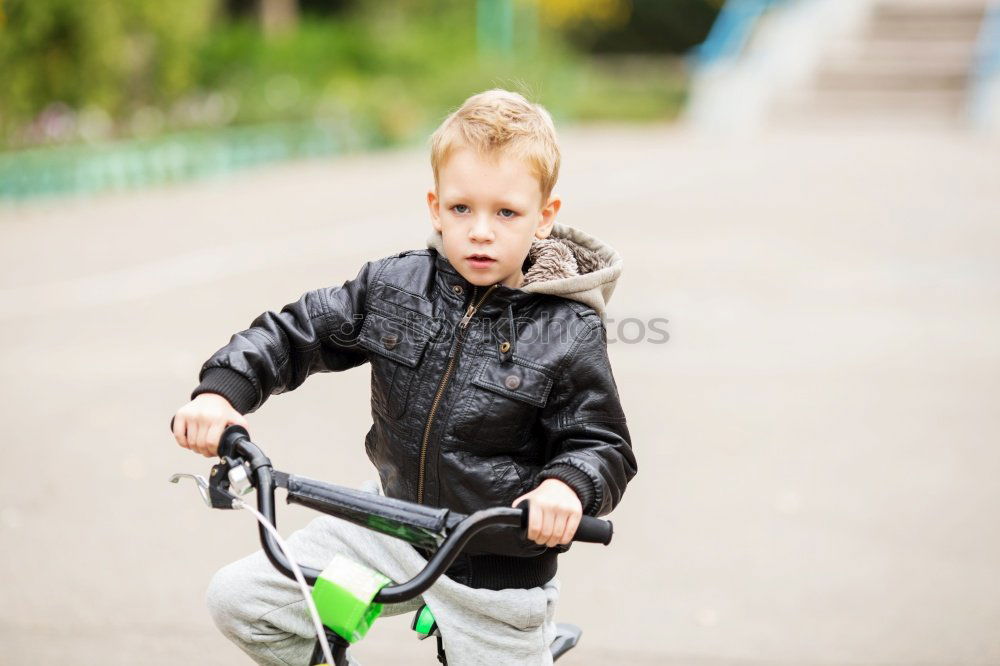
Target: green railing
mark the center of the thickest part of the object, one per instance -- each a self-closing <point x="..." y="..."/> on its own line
<point x="85" y="169"/>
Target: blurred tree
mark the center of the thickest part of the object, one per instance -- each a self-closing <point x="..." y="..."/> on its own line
<point x="114" y="55"/>
<point x="315" y="7"/>
<point x="633" y="26"/>
<point x="605" y="13"/>
<point x="278" y="17"/>
<point x="96" y="69"/>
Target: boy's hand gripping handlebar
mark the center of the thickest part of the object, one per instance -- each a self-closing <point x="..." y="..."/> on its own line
<point x="244" y="466"/>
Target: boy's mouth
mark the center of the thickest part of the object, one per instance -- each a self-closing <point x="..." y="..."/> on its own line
<point x="480" y="258"/>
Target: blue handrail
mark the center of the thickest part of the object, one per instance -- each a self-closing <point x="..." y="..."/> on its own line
<point x="731" y="30"/>
<point x="986" y="62"/>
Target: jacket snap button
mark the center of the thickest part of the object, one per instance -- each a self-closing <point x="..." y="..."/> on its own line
<point x="390" y="341"/>
<point x="512" y="382"/>
<point x="504" y="347"/>
<point x="457" y="288"/>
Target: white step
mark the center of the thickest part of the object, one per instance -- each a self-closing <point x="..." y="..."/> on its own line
<point x="901" y="106"/>
<point x="925" y="21"/>
<point x="901" y="75"/>
<point x="957" y="52"/>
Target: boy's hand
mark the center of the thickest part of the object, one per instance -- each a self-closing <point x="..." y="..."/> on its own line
<point x="198" y="425"/>
<point x="554" y="513"/>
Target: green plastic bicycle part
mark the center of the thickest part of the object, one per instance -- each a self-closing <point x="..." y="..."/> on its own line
<point x="424" y="622"/>
<point x="343" y="595"/>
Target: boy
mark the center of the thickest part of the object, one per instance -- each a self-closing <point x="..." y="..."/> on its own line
<point x="490" y="384"/>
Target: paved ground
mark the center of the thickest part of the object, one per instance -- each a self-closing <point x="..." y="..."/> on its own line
<point x="817" y="442"/>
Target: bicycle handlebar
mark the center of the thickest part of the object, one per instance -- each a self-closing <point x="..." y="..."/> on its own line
<point x="359" y="507"/>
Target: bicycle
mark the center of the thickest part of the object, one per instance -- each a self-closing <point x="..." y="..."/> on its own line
<point x="347" y="597"/>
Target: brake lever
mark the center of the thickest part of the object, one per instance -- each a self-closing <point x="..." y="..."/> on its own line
<point x="202" y="485"/>
<point x="218" y="493"/>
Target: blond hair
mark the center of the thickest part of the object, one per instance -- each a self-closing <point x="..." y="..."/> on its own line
<point x="499" y="121"/>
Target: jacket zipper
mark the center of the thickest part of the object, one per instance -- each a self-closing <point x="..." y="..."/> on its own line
<point x="452" y="355"/>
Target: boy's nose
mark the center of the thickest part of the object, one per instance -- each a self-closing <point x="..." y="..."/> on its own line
<point x="481" y="230"/>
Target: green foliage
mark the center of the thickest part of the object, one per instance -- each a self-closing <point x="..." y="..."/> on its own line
<point x="653" y="26"/>
<point x="405" y="70"/>
<point x="393" y="67"/>
<point x="631" y="88"/>
<point x="117" y="55"/>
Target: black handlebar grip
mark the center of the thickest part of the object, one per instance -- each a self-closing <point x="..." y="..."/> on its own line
<point x="594" y="530"/>
<point x="230" y="438"/>
<point x="590" y="529"/>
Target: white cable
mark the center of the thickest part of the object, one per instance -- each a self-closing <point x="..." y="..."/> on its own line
<point x="317" y="624"/>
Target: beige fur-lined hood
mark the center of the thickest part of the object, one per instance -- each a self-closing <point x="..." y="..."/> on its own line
<point x="569" y="263"/>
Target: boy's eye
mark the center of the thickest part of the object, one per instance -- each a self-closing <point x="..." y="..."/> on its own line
<point x="505" y="213"/>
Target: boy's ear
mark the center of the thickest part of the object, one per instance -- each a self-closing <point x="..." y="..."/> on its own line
<point x="432" y="204"/>
<point x="549" y="212"/>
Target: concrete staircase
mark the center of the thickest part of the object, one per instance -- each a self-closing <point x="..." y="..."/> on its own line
<point x="907" y="62"/>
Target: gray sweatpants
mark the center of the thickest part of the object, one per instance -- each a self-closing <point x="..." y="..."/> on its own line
<point x="264" y="613"/>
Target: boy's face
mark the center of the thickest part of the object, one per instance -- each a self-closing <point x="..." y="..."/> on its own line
<point x="492" y="208"/>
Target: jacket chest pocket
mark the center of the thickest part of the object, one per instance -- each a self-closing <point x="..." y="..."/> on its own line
<point x="397" y="347"/>
<point x="500" y="405"/>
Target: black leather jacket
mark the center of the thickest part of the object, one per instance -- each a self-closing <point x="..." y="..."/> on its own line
<point x="468" y="412"/>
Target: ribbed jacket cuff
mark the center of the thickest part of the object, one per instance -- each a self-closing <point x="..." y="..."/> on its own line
<point x="576" y="479"/>
<point x="231" y="385"/>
